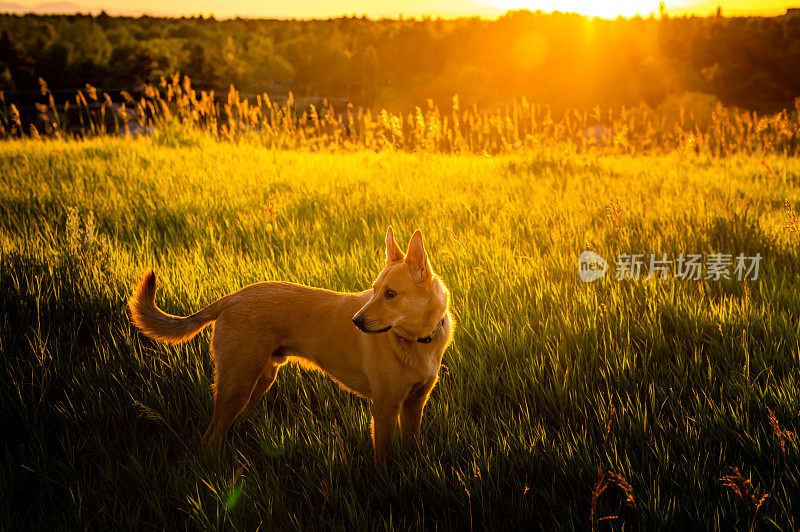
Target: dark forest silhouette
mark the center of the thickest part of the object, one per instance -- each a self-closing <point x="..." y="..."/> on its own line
<point x="563" y="60"/>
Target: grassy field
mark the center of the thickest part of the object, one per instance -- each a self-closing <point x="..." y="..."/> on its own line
<point x="619" y="404"/>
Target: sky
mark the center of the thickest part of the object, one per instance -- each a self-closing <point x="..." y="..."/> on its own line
<point x="417" y="8"/>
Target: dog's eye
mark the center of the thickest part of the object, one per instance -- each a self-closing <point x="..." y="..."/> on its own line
<point x="389" y="294"/>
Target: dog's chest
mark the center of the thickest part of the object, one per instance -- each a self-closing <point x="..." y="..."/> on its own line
<point x="427" y="364"/>
<point x="422" y="361"/>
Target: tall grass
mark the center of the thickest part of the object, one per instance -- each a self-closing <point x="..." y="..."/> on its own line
<point x="616" y="404"/>
<point x="177" y="111"/>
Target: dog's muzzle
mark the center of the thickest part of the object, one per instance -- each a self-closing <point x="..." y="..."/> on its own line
<point x="358" y="321"/>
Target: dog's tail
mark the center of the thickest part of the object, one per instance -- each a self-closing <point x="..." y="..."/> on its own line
<point x="159" y="325"/>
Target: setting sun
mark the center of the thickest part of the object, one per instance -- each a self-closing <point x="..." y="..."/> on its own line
<point x="632" y="8"/>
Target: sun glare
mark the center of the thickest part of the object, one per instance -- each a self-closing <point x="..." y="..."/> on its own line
<point x="592" y="8"/>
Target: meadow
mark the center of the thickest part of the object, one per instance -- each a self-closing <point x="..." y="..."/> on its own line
<point x="619" y="404"/>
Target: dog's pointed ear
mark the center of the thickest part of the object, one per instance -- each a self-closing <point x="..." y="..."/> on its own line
<point x="393" y="252"/>
<point x="417" y="258"/>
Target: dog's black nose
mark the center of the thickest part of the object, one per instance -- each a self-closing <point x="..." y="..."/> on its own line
<point x="359" y="322"/>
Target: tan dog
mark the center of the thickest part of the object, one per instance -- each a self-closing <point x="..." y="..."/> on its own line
<point x="265" y="325"/>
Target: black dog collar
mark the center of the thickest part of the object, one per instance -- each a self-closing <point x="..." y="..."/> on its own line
<point x="429" y="339"/>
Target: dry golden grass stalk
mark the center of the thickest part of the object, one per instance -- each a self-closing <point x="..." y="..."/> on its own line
<point x="792" y="223"/>
<point x="600" y="485"/>
<point x="604" y="480"/>
<point x="742" y="487"/>
<point x="611" y="413"/>
<point x="625" y="486"/>
<point x="780" y="433"/>
<point x="614" y="213"/>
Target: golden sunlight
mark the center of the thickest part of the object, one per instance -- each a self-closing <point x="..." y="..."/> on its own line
<point x="592" y="8"/>
<point x="529" y="50"/>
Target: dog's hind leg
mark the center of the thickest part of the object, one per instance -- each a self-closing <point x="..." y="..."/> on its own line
<point x="238" y="372"/>
<point x="263" y="384"/>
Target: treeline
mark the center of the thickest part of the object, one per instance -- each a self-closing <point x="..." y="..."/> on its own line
<point x="563" y="60"/>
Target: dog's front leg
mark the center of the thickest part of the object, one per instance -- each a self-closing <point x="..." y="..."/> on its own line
<point x="384" y="419"/>
<point x="411" y="419"/>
